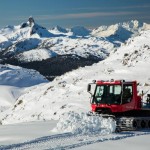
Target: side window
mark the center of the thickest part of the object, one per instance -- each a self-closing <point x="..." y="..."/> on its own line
<point x="127" y="94"/>
<point x="117" y="90"/>
<point x="99" y="91"/>
<point x="117" y="93"/>
<point x="98" y="94"/>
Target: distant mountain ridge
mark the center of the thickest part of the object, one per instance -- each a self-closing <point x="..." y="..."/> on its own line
<point x="121" y="31"/>
<point x="30" y="42"/>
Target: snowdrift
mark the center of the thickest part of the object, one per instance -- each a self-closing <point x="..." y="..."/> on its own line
<point x="80" y="123"/>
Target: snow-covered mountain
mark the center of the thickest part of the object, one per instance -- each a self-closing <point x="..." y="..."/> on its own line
<point x="14" y="81"/>
<point x="59" y="30"/>
<point x="68" y="92"/>
<point x="80" y="31"/>
<point x="26" y="38"/>
<point x="121" y="31"/>
<point x="29" y="43"/>
<point x="77" y="31"/>
<point x="31" y="37"/>
<point x="25" y="30"/>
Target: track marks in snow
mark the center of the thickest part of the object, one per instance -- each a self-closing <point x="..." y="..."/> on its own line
<point x="70" y="141"/>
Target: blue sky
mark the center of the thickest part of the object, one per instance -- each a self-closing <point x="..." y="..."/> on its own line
<point x="68" y="13"/>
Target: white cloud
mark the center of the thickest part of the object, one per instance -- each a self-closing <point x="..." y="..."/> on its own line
<point x="84" y="15"/>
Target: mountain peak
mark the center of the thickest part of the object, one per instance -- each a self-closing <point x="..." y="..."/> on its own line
<point x="60" y="29"/>
<point x="80" y="31"/>
<point x="31" y="21"/>
<point x="35" y="29"/>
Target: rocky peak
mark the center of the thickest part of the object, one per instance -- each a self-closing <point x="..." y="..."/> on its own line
<point x="31" y="21"/>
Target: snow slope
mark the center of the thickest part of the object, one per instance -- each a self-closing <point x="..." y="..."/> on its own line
<point x="4" y="42"/>
<point x="13" y="81"/>
<point x="8" y="96"/>
<point x="36" y="55"/>
<point x="19" y="77"/>
<point x="68" y="92"/>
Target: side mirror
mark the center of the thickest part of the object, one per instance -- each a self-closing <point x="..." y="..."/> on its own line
<point x="89" y="88"/>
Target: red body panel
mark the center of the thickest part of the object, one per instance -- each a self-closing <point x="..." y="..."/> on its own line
<point x="135" y="103"/>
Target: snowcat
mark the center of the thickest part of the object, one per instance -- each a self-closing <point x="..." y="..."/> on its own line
<point x="119" y="99"/>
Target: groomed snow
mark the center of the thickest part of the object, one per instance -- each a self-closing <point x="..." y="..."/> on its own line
<point x="131" y="143"/>
<point x="17" y="133"/>
<point x="38" y="136"/>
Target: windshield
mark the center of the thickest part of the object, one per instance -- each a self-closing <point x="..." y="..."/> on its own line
<point x="107" y="94"/>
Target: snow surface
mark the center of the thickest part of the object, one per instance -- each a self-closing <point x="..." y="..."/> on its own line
<point x="25" y="136"/>
<point x="17" y="133"/>
<point x="19" y="77"/>
<point x="4" y="42"/>
<point x="8" y="96"/>
<point x="134" y="142"/>
<point x="3" y="38"/>
<point x="14" y="81"/>
<point x="36" y="55"/>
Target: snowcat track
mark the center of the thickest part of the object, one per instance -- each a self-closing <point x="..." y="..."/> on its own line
<point x="126" y="123"/>
<point x="67" y="141"/>
<point x="133" y="123"/>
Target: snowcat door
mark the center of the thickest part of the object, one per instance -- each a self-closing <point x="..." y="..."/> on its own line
<point x="127" y="101"/>
<point x="107" y="94"/>
<point x="107" y="98"/>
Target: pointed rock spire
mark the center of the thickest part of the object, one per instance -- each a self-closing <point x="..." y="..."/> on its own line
<point x="31" y="21"/>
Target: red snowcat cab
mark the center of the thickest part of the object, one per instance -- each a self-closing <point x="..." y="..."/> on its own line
<point x="120" y="99"/>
